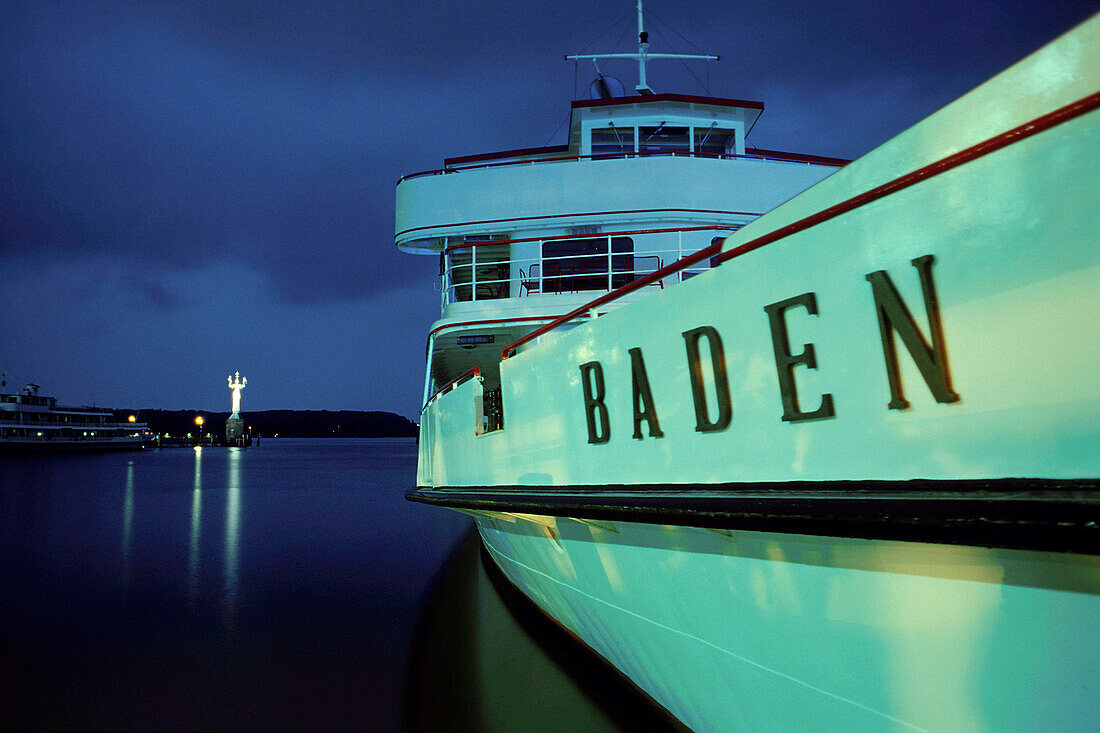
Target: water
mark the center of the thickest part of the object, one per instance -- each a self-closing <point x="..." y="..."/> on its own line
<point x="270" y="587"/>
<point x="286" y="586"/>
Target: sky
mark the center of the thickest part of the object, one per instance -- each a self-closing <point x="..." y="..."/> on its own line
<point x="192" y="189"/>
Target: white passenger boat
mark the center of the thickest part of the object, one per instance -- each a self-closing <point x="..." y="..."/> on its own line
<point x="836" y="470"/>
<point x="30" y="422"/>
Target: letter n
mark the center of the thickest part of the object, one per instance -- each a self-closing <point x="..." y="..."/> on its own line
<point x="894" y="316"/>
<point x="643" y="397"/>
<point x="703" y="423"/>
<point x="592" y="382"/>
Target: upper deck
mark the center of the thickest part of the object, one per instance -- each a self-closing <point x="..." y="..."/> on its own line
<point x="629" y="161"/>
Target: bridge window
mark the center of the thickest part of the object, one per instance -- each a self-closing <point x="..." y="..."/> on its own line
<point x="663" y="139"/>
<point x="612" y="140"/>
<point x="714" y="140"/>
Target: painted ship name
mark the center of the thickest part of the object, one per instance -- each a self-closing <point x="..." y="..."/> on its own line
<point x="893" y="316"/>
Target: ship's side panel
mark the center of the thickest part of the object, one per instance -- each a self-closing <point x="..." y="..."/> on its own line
<point x="1016" y="274"/>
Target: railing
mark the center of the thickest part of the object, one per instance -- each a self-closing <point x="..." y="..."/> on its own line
<point x="781" y="158"/>
<point x="49" y="420"/>
<point x="473" y="273"/>
<point x="460" y="379"/>
<point x="666" y="271"/>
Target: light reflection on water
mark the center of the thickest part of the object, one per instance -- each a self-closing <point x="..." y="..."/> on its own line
<point x="232" y="536"/>
<point x="196" y="531"/>
<point x="127" y="523"/>
<point x="165" y="588"/>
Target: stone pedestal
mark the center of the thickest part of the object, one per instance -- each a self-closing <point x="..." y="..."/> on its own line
<point x="234" y="431"/>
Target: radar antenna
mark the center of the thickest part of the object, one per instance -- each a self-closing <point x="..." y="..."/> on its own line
<point x="641" y="57"/>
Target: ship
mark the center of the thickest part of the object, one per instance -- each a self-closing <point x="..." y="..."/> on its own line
<point x="31" y="423"/>
<point x="792" y="442"/>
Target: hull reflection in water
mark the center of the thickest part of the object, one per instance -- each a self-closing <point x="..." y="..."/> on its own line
<point x="485" y="658"/>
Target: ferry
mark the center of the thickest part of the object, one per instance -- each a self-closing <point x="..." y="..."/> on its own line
<point x="30" y="422"/>
<point x="795" y="443"/>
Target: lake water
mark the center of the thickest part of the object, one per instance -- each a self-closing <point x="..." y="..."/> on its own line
<point x="275" y="587"/>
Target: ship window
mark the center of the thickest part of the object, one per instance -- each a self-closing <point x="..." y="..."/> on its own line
<point x="612" y="140"/>
<point x="714" y="140"/>
<point x="663" y="139"/>
<point x="572" y="265"/>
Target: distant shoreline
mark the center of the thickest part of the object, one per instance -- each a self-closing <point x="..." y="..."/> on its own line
<point x="278" y="423"/>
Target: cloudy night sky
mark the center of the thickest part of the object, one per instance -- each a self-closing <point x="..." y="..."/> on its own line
<point x="196" y="188"/>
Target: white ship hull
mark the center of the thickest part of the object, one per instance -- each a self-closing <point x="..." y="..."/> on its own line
<point x="734" y="630"/>
<point x="878" y="531"/>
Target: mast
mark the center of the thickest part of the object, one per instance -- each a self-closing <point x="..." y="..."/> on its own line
<point x="641" y="57"/>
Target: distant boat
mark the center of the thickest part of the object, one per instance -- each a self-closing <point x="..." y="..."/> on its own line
<point x="836" y="470"/>
<point x="30" y="422"/>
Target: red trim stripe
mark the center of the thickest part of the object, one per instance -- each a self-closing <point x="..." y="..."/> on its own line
<point x="490" y="321"/>
<point x="797" y="157"/>
<point x="630" y="287"/>
<point x="585" y="213"/>
<point x="943" y="165"/>
<point x="459" y="160"/>
<point x="750" y="154"/>
<point x="1016" y="134"/>
<point x="596" y="235"/>
<point x="651" y="98"/>
<point x="471" y="372"/>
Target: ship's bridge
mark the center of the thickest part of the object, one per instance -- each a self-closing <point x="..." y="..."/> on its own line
<point x="524" y="236"/>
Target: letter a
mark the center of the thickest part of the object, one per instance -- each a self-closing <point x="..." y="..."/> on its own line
<point x="643" y="397"/>
<point x="703" y="423"/>
<point x="894" y="316"/>
<point x="594" y="403"/>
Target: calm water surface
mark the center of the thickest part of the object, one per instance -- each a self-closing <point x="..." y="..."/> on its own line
<point x="271" y="587"/>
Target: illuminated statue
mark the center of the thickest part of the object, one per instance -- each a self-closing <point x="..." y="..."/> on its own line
<point x="236" y="383"/>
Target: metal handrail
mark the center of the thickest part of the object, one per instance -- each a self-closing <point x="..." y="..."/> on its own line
<point x="619" y="156"/>
<point x="473" y="275"/>
<point x="595" y="235"/>
<point x="630" y="287"/>
<point x="461" y="378"/>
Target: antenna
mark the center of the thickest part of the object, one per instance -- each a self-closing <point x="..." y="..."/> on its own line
<point x="605" y="87"/>
<point x="641" y="57"/>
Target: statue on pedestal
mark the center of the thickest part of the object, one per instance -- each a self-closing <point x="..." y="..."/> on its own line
<point x="234" y="426"/>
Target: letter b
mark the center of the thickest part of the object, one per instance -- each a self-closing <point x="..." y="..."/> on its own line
<point x="594" y="402"/>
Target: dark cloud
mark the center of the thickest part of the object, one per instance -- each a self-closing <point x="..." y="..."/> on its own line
<point x="273" y="133"/>
<point x="161" y="147"/>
